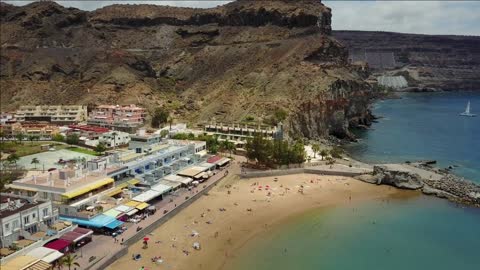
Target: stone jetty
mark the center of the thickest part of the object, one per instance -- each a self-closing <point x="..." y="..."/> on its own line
<point x="430" y="180"/>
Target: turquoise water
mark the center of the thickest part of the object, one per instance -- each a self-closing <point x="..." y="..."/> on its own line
<point x="415" y="233"/>
<point x="419" y="233"/>
<point x="425" y="126"/>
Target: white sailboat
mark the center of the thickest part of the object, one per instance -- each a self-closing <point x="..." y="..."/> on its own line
<point x="467" y="111"/>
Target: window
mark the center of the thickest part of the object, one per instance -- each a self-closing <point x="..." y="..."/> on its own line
<point x="15" y="224"/>
<point x="26" y="220"/>
<point x="7" y="226"/>
<point x="34" y="215"/>
<point x="45" y="212"/>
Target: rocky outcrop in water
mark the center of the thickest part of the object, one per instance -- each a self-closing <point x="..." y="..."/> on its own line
<point x="397" y="178"/>
<point x="446" y="186"/>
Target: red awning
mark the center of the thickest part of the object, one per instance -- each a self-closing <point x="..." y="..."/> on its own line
<point x="83" y="231"/>
<point x="58" y="244"/>
<point x="214" y="159"/>
<point x="72" y="236"/>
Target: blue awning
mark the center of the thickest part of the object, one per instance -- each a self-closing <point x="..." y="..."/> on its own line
<point x="96" y="222"/>
<point x="114" y="224"/>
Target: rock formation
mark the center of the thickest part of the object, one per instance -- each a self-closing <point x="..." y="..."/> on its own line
<point x="428" y="62"/>
<point x="246" y="58"/>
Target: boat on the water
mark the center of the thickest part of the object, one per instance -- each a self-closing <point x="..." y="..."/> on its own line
<point x="467" y="111"/>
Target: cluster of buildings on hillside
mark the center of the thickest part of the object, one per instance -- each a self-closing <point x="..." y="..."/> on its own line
<point x="108" y="123"/>
<point x="58" y="210"/>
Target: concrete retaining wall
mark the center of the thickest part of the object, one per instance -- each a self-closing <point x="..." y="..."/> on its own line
<point x="297" y="171"/>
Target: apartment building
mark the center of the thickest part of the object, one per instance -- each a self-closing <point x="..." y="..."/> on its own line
<point x="20" y="216"/>
<point x="111" y="139"/>
<point x="239" y="133"/>
<point x="124" y="118"/>
<point x="40" y="129"/>
<point x="56" y="114"/>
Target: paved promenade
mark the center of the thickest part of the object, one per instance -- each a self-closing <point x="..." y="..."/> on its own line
<point x="103" y="247"/>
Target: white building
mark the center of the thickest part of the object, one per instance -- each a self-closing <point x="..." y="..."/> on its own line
<point x="111" y="139"/>
<point x="20" y="217"/>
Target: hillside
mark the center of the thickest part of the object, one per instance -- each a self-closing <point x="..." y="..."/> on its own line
<point x="247" y="58"/>
<point x="441" y="62"/>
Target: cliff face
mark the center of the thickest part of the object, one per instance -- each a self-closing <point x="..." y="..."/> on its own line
<point x="247" y="58"/>
<point x="441" y="62"/>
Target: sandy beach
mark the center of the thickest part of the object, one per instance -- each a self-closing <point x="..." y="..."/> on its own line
<point x="236" y="210"/>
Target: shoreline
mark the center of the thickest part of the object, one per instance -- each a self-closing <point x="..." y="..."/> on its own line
<point x="231" y="229"/>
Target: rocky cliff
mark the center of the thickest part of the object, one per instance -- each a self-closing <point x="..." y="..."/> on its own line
<point x="426" y="61"/>
<point x="243" y="60"/>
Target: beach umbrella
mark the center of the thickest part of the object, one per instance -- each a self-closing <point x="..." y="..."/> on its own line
<point x="146" y="239"/>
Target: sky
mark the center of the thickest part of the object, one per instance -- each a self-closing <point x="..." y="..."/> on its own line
<point x="421" y="17"/>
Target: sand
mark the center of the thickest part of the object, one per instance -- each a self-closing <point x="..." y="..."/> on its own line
<point x="248" y="212"/>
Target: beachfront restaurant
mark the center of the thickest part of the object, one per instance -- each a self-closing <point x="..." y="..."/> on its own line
<point x="199" y="173"/>
<point x="100" y="222"/>
<point x="184" y="181"/>
<point x="219" y="161"/>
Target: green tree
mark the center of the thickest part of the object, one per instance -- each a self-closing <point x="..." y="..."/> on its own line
<point x="164" y="133"/>
<point x="159" y="117"/>
<point x="72" y="139"/>
<point x="280" y="115"/>
<point x="69" y="260"/>
<point x="35" y="161"/>
<point x="100" y="148"/>
<point x="212" y="144"/>
<point x="315" y="149"/>
<point x="259" y="149"/>
<point x="20" y="137"/>
<point x="227" y="146"/>
<point x="336" y="152"/>
<point x="13" y="158"/>
<point x="58" y="137"/>
<point x="31" y="138"/>
<point x="324" y="153"/>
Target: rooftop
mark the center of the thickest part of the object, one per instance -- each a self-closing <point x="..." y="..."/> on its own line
<point x="15" y="207"/>
<point x="53" y="180"/>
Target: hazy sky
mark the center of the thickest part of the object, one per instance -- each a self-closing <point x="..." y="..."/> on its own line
<point x="423" y="17"/>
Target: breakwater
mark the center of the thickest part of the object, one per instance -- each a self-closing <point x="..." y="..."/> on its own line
<point x="428" y="179"/>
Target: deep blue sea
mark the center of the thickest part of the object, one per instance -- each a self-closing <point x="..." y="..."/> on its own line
<point x="425" y="126"/>
<point x="413" y="233"/>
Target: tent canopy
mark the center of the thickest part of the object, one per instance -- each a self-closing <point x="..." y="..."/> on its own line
<point x="161" y="188"/>
<point x="192" y="171"/>
<point x="123" y="208"/>
<point x="177" y="178"/>
<point x="19" y="262"/>
<point x="171" y="184"/>
<point x="112" y="212"/>
<point x="58" y="244"/>
<point x="147" y="196"/>
<point x="114" y="224"/>
<point x="72" y="236"/>
<point x="52" y="257"/>
<point x="97" y="222"/>
<point x="85" y="189"/>
<point x="83" y="231"/>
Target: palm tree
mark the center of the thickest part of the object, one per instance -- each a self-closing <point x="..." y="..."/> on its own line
<point x="35" y="161"/>
<point x="69" y="261"/>
<point x="315" y="149"/>
<point x="12" y="159"/>
<point x="323" y="153"/>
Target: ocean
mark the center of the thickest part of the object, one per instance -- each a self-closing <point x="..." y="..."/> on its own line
<point x="422" y="126"/>
<point x="417" y="232"/>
